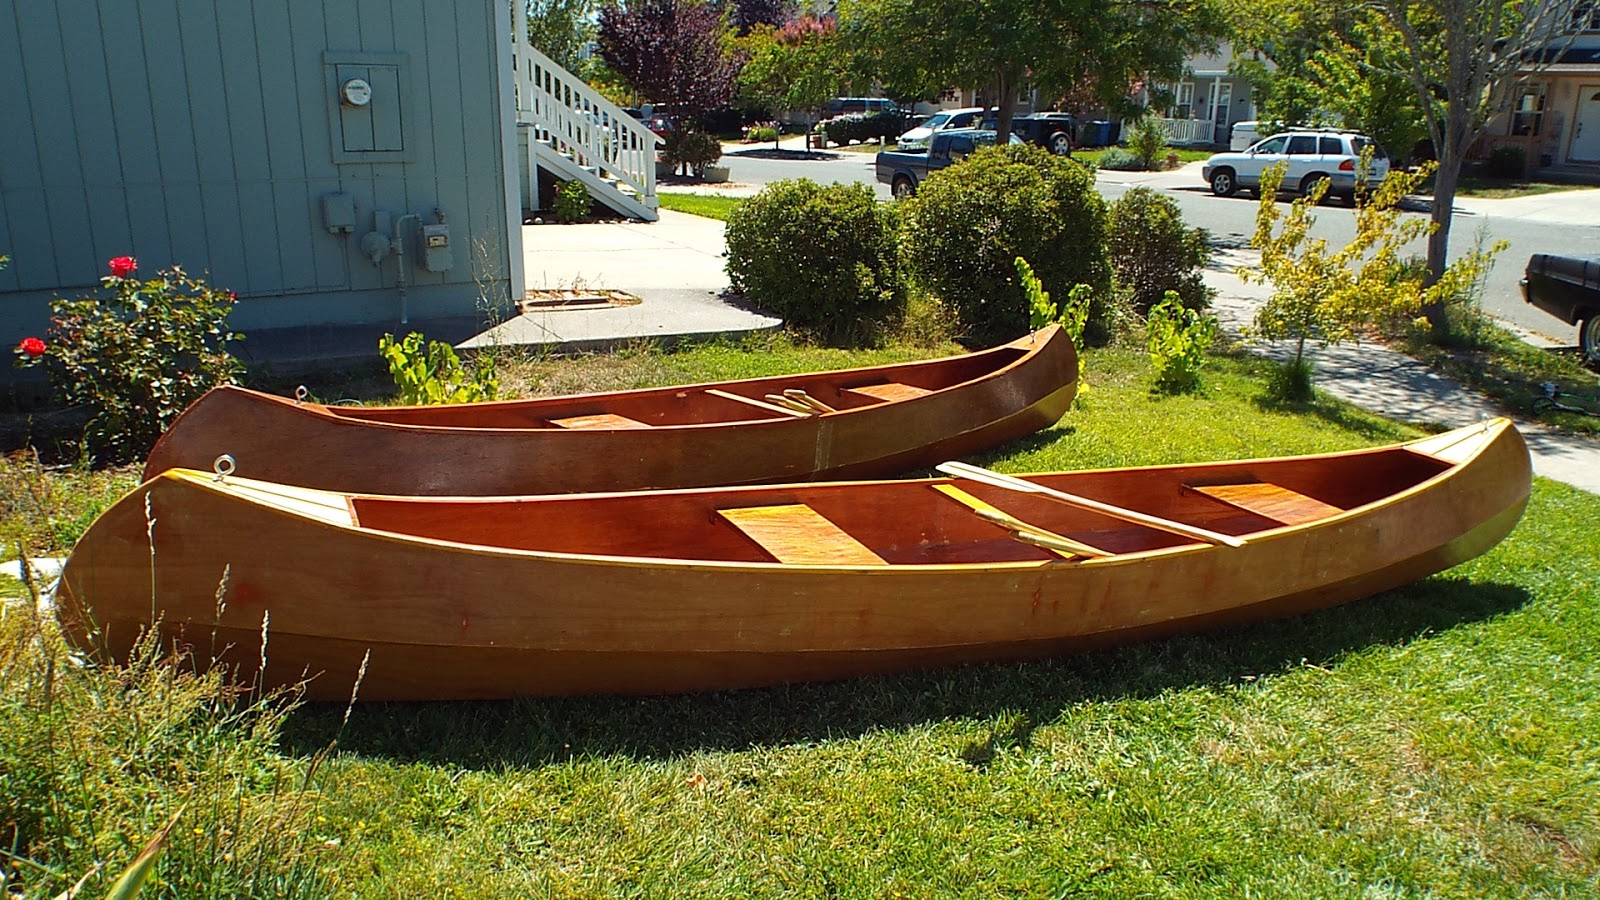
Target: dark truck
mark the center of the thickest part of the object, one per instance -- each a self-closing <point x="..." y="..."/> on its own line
<point x="903" y="170"/>
<point x="1568" y="287"/>
<point x="1054" y="131"/>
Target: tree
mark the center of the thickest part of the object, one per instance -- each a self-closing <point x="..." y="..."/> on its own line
<point x="1329" y="66"/>
<point x="1327" y="295"/>
<point x="674" y="52"/>
<point x="798" y="66"/>
<point x="746" y="15"/>
<point x="561" y="29"/>
<point x="1462" y="58"/>
<point x="920" y="48"/>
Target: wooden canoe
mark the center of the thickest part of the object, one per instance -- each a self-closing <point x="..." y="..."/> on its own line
<point x="738" y="587"/>
<point x="883" y="421"/>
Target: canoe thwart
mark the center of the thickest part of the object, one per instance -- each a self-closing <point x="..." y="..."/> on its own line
<point x="1270" y="501"/>
<point x="758" y="404"/>
<point x="1010" y="482"/>
<point x="889" y="392"/>
<point x="1018" y="528"/>
<point x="796" y="534"/>
<point x="598" y="420"/>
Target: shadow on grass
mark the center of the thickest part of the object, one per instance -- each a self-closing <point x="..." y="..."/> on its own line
<point x="495" y="735"/>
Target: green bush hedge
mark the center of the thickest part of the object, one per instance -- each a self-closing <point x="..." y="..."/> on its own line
<point x="1153" y="251"/>
<point x="820" y="256"/>
<point x="968" y="223"/>
<point x="864" y="126"/>
<point x="1120" y="160"/>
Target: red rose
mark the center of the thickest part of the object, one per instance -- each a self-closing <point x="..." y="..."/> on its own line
<point x="33" y="347"/>
<point x="121" y="266"/>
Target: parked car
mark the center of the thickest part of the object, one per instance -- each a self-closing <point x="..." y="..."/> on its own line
<point x="1568" y="287"/>
<point x="917" y="138"/>
<point x="661" y="125"/>
<point x="1054" y="131"/>
<point x="903" y="170"/>
<point x="839" y="106"/>
<point x="1311" y="155"/>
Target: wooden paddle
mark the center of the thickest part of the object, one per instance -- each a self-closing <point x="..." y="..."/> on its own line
<point x="1012" y="483"/>
<point x="801" y="396"/>
<point x="1026" y="532"/>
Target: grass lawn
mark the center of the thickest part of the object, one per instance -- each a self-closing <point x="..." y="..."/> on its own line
<point x="1502" y="189"/>
<point x="1437" y="741"/>
<point x="1511" y="371"/>
<point x="708" y="205"/>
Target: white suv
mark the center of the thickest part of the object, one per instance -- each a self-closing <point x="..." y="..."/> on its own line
<point x="1311" y="156"/>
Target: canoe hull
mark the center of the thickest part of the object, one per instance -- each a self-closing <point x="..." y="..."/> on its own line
<point x="449" y="621"/>
<point x="692" y="440"/>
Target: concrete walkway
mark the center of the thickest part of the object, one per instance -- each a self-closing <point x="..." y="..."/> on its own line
<point x="1394" y="385"/>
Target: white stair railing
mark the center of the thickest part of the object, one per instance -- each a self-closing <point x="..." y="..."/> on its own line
<point x="577" y="122"/>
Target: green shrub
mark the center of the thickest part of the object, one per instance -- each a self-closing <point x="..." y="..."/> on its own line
<point x="1043" y="311"/>
<point x="1507" y="162"/>
<point x="1178" y="338"/>
<point x="761" y="133"/>
<point x="863" y="126"/>
<point x="1148" y="141"/>
<point x="1120" y="160"/>
<point x="691" y="152"/>
<point x="572" y="202"/>
<point x="968" y="223"/>
<point x="1152" y="252"/>
<point x="820" y="256"/>
<point x="436" y="375"/>
<point x="137" y="358"/>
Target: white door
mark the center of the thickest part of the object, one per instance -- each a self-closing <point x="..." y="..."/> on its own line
<point x="1586" y="133"/>
<point x="1219" y="112"/>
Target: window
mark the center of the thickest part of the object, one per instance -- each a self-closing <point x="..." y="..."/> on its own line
<point x="1585" y="17"/>
<point x="1330" y="146"/>
<point x="1272" y="145"/>
<point x="1302" y="145"/>
<point x="1527" y="115"/>
<point x="1183" y="105"/>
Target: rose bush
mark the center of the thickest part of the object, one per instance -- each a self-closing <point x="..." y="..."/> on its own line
<point x="137" y="358"/>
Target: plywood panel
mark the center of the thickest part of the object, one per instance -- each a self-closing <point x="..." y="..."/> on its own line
<point x="130" y="97"/>
<point x="18" y="148"/>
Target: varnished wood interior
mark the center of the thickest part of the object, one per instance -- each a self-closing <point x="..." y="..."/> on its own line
<point x="695" y="404"/>
<point x="902" y="522"/>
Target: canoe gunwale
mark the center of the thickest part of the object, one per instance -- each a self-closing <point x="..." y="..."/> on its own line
<point x="1253" y="538"/>
<point x="1049" y="334"/>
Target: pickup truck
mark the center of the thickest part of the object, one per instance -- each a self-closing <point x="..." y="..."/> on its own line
<point x="1054" y="131"/>
<point x="1568" y="287"/>
<point x="903" y="170"/>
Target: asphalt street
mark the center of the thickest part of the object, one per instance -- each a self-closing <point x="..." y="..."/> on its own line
<point x="1565" y="224"/>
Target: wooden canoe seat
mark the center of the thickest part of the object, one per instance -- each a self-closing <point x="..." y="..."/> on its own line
<point x="797" y="534"/>
<point x="598" y="420"/>
<point x="890" y="392"/>
<point x="1271" y="501"/>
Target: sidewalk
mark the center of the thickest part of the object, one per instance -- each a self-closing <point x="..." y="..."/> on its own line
<point x="1394" y="385"/>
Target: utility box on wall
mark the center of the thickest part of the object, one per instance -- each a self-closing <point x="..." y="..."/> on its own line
<point x="369" y="103"/>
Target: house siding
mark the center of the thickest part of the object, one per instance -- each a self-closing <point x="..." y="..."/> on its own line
<point x="205" y="135"/>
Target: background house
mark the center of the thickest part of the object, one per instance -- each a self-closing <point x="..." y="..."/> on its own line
<point x="1555" y="113"/>
<point x="345" y="166"/>
<point x="1204" y="105"/>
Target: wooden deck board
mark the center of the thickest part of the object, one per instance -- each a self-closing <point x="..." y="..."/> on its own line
<point x="598" y="420"/>
<point x="797" y="534"/>
<point x="890" y="392"/>
<point x="1272" y="501"/>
